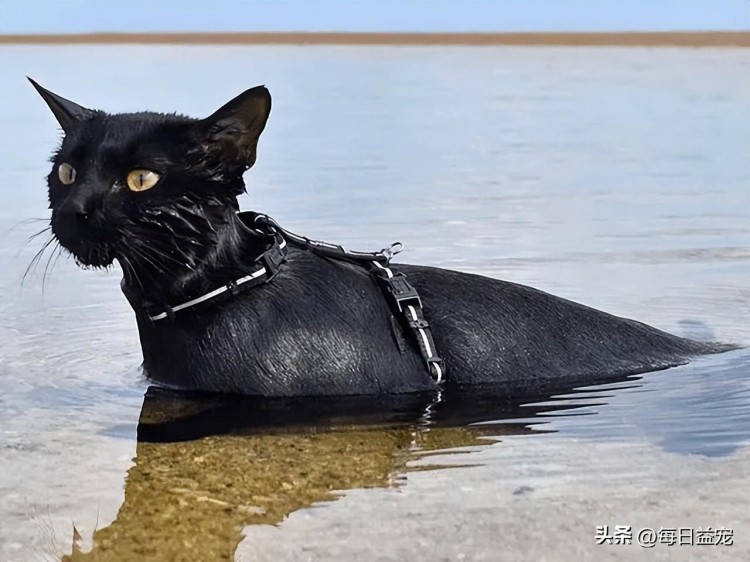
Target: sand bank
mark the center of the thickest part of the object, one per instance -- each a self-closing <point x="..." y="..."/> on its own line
<point x="646" y="39"/>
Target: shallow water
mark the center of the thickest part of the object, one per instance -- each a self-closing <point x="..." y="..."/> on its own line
<point x="615" y="177"/>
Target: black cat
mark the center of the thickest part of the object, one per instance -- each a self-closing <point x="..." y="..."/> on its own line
<point x="158" y="193"/>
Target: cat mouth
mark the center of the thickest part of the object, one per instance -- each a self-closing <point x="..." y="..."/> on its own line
<point x="89" y="248"/>
<point x="92" y="256"/>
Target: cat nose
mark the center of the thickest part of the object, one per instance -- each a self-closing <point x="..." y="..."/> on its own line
<point x="81" y="207"/>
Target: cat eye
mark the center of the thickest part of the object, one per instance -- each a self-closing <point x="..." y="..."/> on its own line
<point x="66" y="173"/>
<point x="141" y="179"/>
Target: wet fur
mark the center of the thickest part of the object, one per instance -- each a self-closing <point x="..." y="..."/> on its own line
<point x="321" y="327"/>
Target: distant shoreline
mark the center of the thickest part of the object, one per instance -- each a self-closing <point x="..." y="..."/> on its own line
<point x="623" y="39"/>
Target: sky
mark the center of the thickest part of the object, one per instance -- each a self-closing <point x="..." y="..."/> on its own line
<point x="76" y="16"/>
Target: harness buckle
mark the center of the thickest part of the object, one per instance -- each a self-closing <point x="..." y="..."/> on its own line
<point x="170" y="312"/>
<point x="418" y="323"/>
<point x="436" y="368"/>
<point x="272" y="260"/>
<point x="401" y="291"/>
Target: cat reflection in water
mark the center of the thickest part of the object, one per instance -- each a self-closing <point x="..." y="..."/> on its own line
<point x="158" y="193"/>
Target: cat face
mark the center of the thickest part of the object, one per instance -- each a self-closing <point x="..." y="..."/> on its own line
<point x="149" y="188"/>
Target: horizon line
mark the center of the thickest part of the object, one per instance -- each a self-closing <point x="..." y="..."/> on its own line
<point x="706" y="38"/>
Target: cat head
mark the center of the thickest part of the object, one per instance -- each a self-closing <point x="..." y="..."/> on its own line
<point x="149" y="188"/>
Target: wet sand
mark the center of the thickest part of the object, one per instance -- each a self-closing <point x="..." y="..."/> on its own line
<point x="191" y="500"/>
<point x="644" y="39"/>
<point x="546" y="505"/>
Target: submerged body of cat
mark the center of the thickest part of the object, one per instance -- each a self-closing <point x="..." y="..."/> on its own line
<point x="158" y="193"/>
<point x="324" y="327"/>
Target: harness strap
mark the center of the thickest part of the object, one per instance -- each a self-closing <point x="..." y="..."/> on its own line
<point x="268" y="264"/>
<point x="407" y="301"/>
<point x="335" y="251"/>
<point x="402" y="294"/>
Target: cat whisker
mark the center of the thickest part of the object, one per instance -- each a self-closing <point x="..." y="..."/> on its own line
<point x="35" y="260"/>
<point x="164" y="255"/>
<point x="158" y="256"/>
<point x="129" y="271"/>
<point x="26" y="222"/>
<point x="156" y="253"/>
<point x="57" y="256"/>
<point x="141" y="255"/>
<point x="35" y="236"/>
<point x="47" y="268"/>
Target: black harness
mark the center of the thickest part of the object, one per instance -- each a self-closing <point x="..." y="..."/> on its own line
<point x="402" y="296"/>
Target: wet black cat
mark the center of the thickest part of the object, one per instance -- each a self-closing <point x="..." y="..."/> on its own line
<point x="158" y="193"/>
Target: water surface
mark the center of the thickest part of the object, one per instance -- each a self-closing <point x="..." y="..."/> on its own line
<point x="616" y="177"/>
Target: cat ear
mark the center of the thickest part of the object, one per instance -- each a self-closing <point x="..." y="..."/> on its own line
<point x="236" y="126"/>
<point x="66" y="112"/>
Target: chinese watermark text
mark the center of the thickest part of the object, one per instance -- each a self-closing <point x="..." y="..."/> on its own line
<point x="668" y="536"/>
